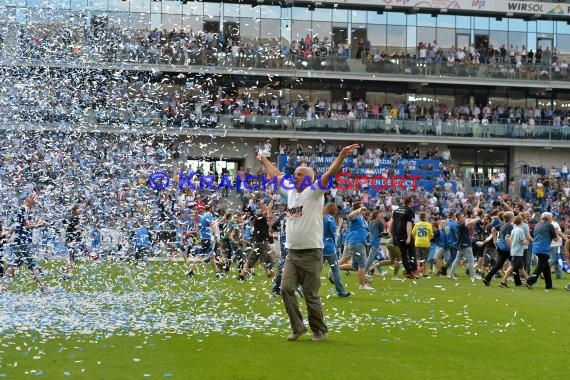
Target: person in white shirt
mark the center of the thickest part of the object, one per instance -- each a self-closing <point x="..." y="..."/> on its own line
<point x="555" y="249"/>
<point x="304" y="241"/>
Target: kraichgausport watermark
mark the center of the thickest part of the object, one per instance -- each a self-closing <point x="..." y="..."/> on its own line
<point x="160" y="181"/>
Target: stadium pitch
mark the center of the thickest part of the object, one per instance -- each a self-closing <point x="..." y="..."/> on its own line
<point x="120" y="320"/>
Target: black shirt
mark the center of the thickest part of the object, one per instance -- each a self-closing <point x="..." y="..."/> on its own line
<point x="463" y="237"/>
<point x="260" y="229"/>
<point x="400" y="218"/>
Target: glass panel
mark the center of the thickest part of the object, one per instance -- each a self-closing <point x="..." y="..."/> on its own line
<point x="562" y="27"/>
<point x="377" y="36"/>
<point x="301" y="29"/>
<point x="21" y="15"/>
<point x="170" y="7"/>
<point x="285" y="32"/>
<point x="481" y="23"/>
<point x="411" y="41"/>
<point x="322" y="30"/>
<point x="411" y="20"/>
<point x="193" y="8"/>
<point x="37" y="3"/>
<point x="462" y="41"/>
<point x="270" y="29"/>
<point x="359" y="16"/>
<point x="171" y="21"/>
<point x="374" y="18"/>
<point x="396" y="39"/>
<point x="15" y="3"/>
<point x="156" y="21"/>
<point x="212" y="9"/>
<point x="445" y="38"/>
<point x="140" y="6"/>
<point x="463" y="22"/>
<point x="97" y="5"/>
<point x="543" y="26"/>
<point x="141" y="20"/>
<point x="248" y="29"/>
<point x="78" y="4"/>
<point x="119" y="19"/>
<point x="320" y="14"/>
<point x="117" y="5"/>
<point x="531" y="42"/>
<point x="563" y="46"/>
<point x="445" y="21"/>
<point x="246" y="10"/>
<point x="517" y="25"/>
<point x="517" y="40"/>
<point x="498" y="38"/>
<point x="268" y="11"/>
<point x="156" y="7"/>
<point x="231" y="10"/>
<point x="503" y="24"/>
<point x="424" y="19"/>
<point x="395" y="18"/>
<point x="192" y="22"/>
<point x="426" y="35"/>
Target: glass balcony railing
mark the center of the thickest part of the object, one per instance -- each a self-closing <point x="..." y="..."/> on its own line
<point x="454" y="128"/>
<point x="545" y="129"/>
<point x="549" y="68"/>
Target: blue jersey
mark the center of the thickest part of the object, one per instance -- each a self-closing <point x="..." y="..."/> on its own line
<point x="142" y="237"/>
<point x="358" y="230"/>
<point x="542" y="237"/>
<point x="95" y="239"/>
<point x="501" y="237"/>
<point x="329" y="235"/>
<point x="247" y="232"/>
<point x="205" y="229"/>
<point x="376" y="228"/>
<point x="23" y="234"/>
<point x="451" y="233"/>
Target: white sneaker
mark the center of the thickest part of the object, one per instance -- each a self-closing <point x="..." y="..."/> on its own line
<point x="365" y="287"/>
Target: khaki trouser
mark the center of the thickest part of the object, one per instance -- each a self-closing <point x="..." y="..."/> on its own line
<point x="303" y="267"/>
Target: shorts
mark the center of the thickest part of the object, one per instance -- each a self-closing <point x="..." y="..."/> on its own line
<point x="22" y="255"/>
<point x="489" y="255"/>
<point x="478" y="251"/>
<point x="206" y="248"/>
<point x="517" y="263"/>
<point x="394" y="251"/>
<point x="358" y="254"/>
<point x="73" y="249"/>
<point x="260" y="252"/>
<point x="142" y="253"/>
<point x="422" y="253"/>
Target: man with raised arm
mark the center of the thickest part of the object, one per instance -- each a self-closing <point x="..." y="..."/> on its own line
<point x="304" y="241"/>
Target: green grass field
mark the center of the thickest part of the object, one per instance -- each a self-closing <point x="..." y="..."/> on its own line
<point x="112" y="320"/>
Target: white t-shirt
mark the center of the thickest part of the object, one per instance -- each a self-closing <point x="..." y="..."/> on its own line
<point x="304" y="229"/>
<point x="557" y="229"/>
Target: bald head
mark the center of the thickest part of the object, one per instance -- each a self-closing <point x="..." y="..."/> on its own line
<point x="306" y="172"/>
